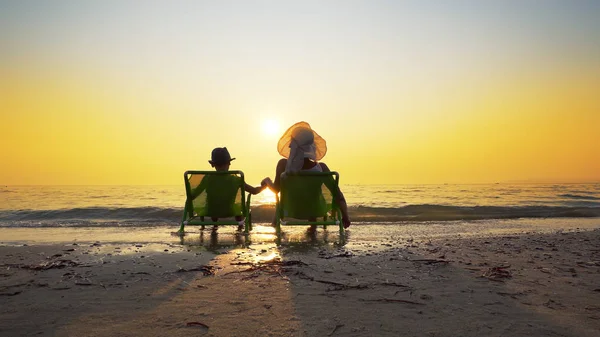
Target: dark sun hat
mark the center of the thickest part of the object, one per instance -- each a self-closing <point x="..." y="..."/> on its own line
<point x="220" y="156"/>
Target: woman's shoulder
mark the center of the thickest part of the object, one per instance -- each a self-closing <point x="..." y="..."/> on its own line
<point x="281" y="164"/>
<point x="324" y="167"/>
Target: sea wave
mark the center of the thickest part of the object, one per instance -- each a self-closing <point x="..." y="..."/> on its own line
<point x="449" y="213"/>
<point x="95" y="213"/>
<point x="151" y="216"/>
<point x="579" y="197"/>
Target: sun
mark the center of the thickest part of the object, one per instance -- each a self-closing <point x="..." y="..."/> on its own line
<point x="270" y="127"/>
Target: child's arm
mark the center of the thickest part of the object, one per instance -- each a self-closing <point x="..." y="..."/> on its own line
<point x="200" y="188"/>
<point x="254" y="190"/>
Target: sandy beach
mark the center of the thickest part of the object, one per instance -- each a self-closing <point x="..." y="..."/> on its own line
<point x="224" y="284"/>
<point x="458" y="141"/>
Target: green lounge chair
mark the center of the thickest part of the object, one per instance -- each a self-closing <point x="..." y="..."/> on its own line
<point x="308" y="198"/>
<point x="215" y="198"/>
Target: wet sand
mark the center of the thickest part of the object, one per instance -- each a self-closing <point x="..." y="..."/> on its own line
<point x="542" y="282"/>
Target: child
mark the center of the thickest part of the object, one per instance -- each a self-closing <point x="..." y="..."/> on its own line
<point x="221" y="160"/>
<point x="221" y="190"/>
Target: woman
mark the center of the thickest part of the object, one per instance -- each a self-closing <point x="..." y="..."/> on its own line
<point x="301" y="148"/>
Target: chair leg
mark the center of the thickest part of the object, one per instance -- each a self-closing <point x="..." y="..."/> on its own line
<point x="184" y="218"/>
<point x="247" y="224"/>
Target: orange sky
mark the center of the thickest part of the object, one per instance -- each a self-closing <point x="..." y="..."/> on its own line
<point x="90" y="94"/>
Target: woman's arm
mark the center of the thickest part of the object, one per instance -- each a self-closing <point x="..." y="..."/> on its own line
<point x="341" y="200"/>
<point x="276" y="185"/>
<point x="278" y="171"/>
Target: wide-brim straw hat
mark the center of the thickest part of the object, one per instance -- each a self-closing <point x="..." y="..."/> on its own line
<point x="301" y="131"/>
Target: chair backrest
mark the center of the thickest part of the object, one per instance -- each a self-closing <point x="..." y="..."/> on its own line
<point x="306" y="195"/>
<point x="215" y="193"/>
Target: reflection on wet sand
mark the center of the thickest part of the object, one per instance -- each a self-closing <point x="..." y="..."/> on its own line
<point x="264" y="237"/>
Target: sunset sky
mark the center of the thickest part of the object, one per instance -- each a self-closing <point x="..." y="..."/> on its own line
<point x="137" y="92"/>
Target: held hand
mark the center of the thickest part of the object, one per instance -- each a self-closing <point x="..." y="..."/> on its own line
<point x="266" y="182"/>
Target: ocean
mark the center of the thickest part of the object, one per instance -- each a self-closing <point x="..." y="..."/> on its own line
<point x="148" y="206"/>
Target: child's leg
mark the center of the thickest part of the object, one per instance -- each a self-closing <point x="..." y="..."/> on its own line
<point x="313" y="228"/>
<point x="239" y="218"/>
